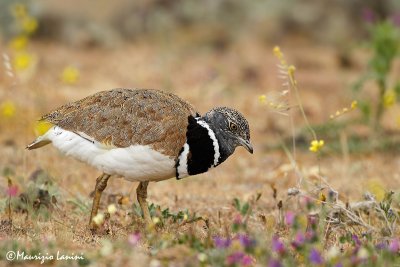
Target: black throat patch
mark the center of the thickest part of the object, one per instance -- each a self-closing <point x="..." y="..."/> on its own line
<point x="200" y="157"/>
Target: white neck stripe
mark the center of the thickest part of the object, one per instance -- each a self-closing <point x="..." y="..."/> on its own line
<point x="213" y="138"/>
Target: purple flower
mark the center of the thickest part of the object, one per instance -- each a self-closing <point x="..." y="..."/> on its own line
<point x="315" y="257"/>
<point x="245" y="240"/>
<point x="338" y="264"/>
<point x="274" y="263"/>
<point x="380" y="246"/>
<point x="134" y="238"/>
<point x="299" y="240"/>
<point x="239" y="258"/>
<point x="356" y="240"/>
<point x="394" y="246"/>
<point x="277" y="245"/>
<point x="368" y="15"/>
<point x="289" y="218"/>
<point x="221" y="242"/>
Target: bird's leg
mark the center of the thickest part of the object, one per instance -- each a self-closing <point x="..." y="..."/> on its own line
<point x="101" y="184"/>
<point x="141" y="192"/>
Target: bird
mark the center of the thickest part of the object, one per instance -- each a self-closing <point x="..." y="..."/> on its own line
<point x="143" y="135"/>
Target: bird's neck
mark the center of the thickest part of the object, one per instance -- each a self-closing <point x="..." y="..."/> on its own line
<point x="202" y="150"/>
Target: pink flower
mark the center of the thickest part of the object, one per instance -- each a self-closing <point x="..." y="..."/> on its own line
<point x="289" y="218"/>
<point x="299" y="240"/>
<point x="274" y="263"/>
<point x="247" y="260"/>
<point x="134" y="238"/>
<point x="396" y="19"/>
<point x="239" y="258"/>
<point x="237" y="219"/>
<point x="311" y="236"/>
<point x="394" y="246"/>
<point x="368" y="15"/>
<point x="12" y="191"/>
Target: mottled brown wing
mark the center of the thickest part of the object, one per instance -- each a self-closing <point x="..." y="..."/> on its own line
<point x="124" y="117"/>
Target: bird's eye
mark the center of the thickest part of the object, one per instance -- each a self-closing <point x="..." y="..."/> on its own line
<point x="233" y="127"/>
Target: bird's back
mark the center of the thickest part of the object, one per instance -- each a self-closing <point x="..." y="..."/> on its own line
<point x="126" y="117"/>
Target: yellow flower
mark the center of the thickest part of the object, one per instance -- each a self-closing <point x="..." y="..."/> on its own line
<point x="22" y="60"/>
<point x="262" y="99"/>
<point x="70" y="75"/>
<point x="277" y="52"/>
<point x="291" y="70"/>
<point x="98" y="219"/>
<point x="389" y="98"/>
<point x="8" y="109"/>
<point x="18" y="42"/>
<point x="111" y="209"/>
<point x="202" y="257"/>
<point x="29" y="24"/>
<point x="19" y="10"/>
<point x="316" y="145"/>
<point x="376" y="187"/>
<point x="42" y="127"/>
<point x="302" y="220"/>
<point x="156" y="220"/>
<point x="236" y="245"/>
<point x="354" y="104"/>
<point x="322" y="197"/>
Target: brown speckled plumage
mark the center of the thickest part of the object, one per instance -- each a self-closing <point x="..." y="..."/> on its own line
<point x="124" y="117"/>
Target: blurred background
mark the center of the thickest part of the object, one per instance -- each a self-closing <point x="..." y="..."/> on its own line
<point x="211" y="53"/>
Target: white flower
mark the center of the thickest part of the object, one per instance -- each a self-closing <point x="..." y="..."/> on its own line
<point x="363" y="253"/>
<point x="107" y="248"/>
<point x="155" y="263"/>
<point x="332" y="253"/>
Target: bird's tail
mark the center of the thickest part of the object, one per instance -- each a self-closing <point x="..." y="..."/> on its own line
<point x="39" y="142"/>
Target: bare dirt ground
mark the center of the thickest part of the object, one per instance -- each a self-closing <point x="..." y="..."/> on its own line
<point x="206" y="78"/>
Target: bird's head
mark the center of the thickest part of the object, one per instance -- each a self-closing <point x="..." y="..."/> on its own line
<point x="231" y="129"/>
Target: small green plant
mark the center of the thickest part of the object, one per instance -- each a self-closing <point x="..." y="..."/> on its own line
<point x="385" y="45"/>
<point x="161" y="216"/>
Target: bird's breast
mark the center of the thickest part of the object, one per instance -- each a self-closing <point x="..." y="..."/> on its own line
<point x="201" y="150"/>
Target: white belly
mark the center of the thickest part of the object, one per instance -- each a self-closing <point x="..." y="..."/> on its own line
<point x="134" y="163"/>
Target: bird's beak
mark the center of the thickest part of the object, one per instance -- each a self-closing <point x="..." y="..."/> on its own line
<point x="246" y="144"/>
